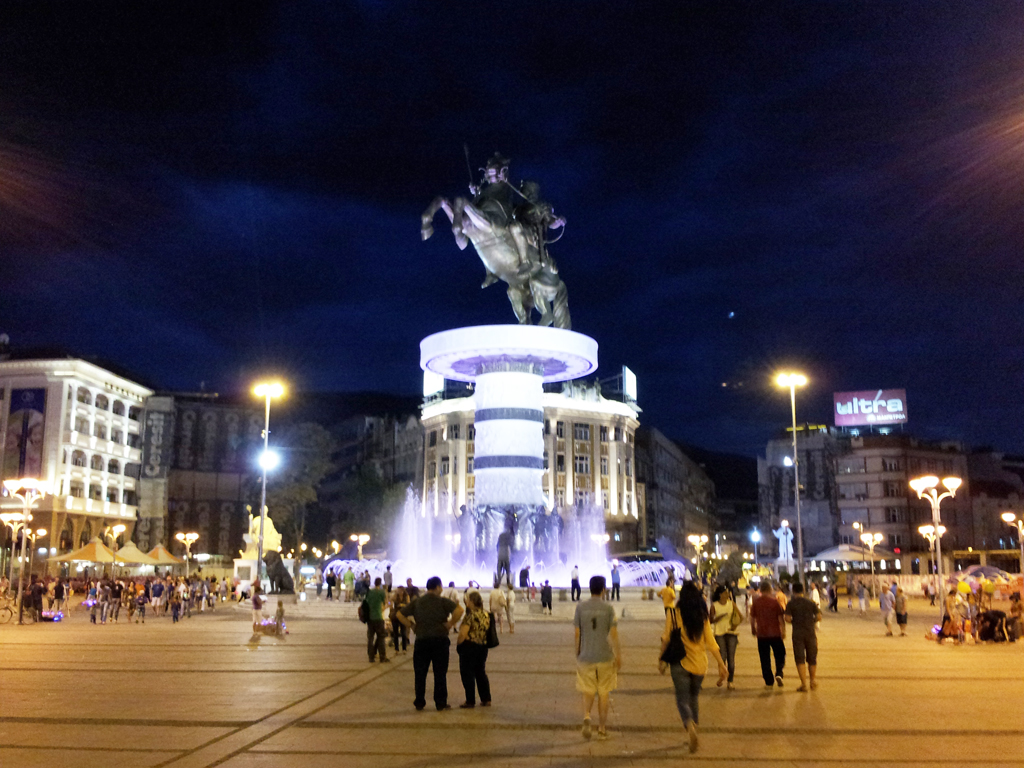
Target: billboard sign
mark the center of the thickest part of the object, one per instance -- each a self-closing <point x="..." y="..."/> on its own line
<point x="870" y="408"/>
<point x="23" y="443"/>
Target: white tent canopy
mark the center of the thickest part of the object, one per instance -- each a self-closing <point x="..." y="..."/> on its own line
<point x="850" y="553"/>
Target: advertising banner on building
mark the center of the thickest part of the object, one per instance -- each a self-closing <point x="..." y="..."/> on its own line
<point x="158" y="444"/>
<point x="23" y="443"/>
<point x="870" y="408"/>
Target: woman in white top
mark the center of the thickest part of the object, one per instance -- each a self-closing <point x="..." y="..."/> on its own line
<point x="725" y="618"/>
<point x="497" y="606"/>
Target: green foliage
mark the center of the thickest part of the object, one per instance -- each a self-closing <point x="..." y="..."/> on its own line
<point x="292" y="489"/>
<point x="365" y="503"/>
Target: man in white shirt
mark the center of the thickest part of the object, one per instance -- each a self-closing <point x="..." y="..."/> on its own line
<point x="510" y="609"/>
<point x="576" y="591"/>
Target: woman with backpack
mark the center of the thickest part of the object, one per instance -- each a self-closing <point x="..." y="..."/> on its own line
<point x="725" y="619"/>
<point x="685" y="644"/>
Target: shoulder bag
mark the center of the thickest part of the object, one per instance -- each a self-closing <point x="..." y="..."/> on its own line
<point x="675" y="651"/>
<point x="492" y="632"/>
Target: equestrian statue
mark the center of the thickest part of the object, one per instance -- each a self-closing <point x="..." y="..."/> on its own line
<point x="509" y="228"/>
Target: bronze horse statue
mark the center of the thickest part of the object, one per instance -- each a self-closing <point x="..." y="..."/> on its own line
<point x="507" y="227"/>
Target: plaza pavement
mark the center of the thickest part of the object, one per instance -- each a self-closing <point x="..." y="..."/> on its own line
<point x="206" y="693"/>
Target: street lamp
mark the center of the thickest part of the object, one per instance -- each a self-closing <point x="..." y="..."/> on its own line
<point x="872" y="540"/>
<point x="29" y="492"/>
<point x="268" y="391"/>
<point x="931" y="533"/>
<point x="1014" y="522"/>
<point x="111" y="533"/>
<point x="698" y="542"/>
<point x="188" y="539"/>
<point x="926" y="487"/>
<point x="755" y="537"/>
<point x="360" y="539"/>
<point x="792" y="381"/>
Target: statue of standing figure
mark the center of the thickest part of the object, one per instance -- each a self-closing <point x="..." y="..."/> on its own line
<point x="509" y="228"/>
<point x="785" y="536"/>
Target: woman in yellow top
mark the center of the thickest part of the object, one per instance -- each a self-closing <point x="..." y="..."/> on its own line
<point x="691" y="616"/>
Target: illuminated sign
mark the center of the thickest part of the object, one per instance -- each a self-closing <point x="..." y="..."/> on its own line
<point x="629" y="384"/>
<point x="870" y="408"/>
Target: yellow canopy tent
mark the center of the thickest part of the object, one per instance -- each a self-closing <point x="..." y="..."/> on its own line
<point x="130" y="553"/>
<point x="93" y="552"/>
<point x="162" y="557"/>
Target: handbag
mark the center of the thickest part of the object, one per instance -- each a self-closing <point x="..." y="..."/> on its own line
<point x="675" y="651"/>
<point x="492" y="632"/>
<point x="736" y="618"/>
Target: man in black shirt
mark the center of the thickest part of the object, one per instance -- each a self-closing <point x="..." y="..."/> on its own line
<point x="803" y="614"/>
<point x="428" y="616"/>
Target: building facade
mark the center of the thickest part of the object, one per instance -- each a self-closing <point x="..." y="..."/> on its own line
<point x="76" y="426"/>
<point x="589" y="456"/>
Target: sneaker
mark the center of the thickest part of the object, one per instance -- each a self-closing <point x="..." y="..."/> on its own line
<point x="778" y="680"/>
<point x="586" y="728"/>
<point x="691" y="728"/>
<point x="466" y="705"/>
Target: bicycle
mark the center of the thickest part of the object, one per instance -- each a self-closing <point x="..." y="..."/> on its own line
<point x="6" y="610"/>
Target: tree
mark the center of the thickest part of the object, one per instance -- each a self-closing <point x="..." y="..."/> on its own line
<point x="306" y="451"/>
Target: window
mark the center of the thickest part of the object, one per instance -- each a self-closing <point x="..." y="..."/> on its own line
<point x="130" y="498"/>
<point x="895" y="540"/>
<point x="581" y="431"/>
<point x="604" y="499"/>
<point x="112" y="494"/>
<point x="470" y="498"/>
<point x="471" y="432"/>
<point x="629" y="467"/>
<point x="432" y="440"/>
<point x="849" y="465"/>
<point x="82" y="424"/>
<point x="431" y="469"/>
<point x="604" y="467"/>
<point x="102" y="402"/>
<point x="78" y="459"/>
<point x="134" y="412"/>
<point x="117" y="436"/>
<point x="560" y="497"/>
<point x="545" y="459"/>
<point x="560" y="430"/>
<point x="629" y="438"/>
<point x="100" y="431"/>
<point x="84" y="396"/>
<point x="113" y="467"/>
<point x="618" y="434"/>
<point x="560" y="462"/>
<point x="444" y="466"/>
<point x="453" y="432"/>
<point x="893" y="489"/>
<point x="133" y="440"/>
<point x="95" y="493"/>
<point x="96" y="462"/>
<point x="846" y="539"/>
<point x="77" y="490"/>
<point x="892" y="465"/>
<point x="547" y="427"/>
<point x="582" y="498"/>
<point x="118" y="408"/>
<point x="469" y="465"/>
<point x="582" y="463"/>
<point x="629" y="503"/>
<point x="894" y="515"/>
<point x="455" y="464"/>
<point x="604" y="434"/>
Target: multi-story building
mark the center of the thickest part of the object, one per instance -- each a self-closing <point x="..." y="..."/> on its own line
<point x="76" y="426"/>
<point x="997" y="486"/>
<point x="680" y="497"/>
<point x="588" y="456"/>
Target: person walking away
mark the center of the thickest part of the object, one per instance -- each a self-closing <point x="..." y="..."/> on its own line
<point x="451" y="592"/>
<point x="725" y="621"/>
<point x="350" y="585"/>
<point x="471" y="645"/>
<point x="389" y="580"/>
<point x="332" y="582"/>
<point x="376" y="634"/>
<point x="900" y="608"/>
<point x="428" y="615"/>
<point x="862" y="597"/>
<point x="616" y="584"/>
<point x="524" y="581"/>
<point x="58" y="593"/>
<point x="833" y="598"/>
<point x="576" y="593"/>
<point x="510" y="609"/>
<point x="803" y="614"/>
<point x="545" y="597"/>
<point x="768" y="625"/>
<point x="399" y="599"/>
<point x="690" y="615"/>
<point x="885" y="604"/>
<point x="496" y="603"/>
<point x="598" y="655"/>
<point x="668" y="595"/>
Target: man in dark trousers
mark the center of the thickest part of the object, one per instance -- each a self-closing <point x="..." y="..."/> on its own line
<point x="768" y="625"/>
<point x="376" y="634"/>
<point x="428" y="617"/>
<point x="803" y="614"/>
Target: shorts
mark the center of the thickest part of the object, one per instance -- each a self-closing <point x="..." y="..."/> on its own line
<point x="257" y="616"/>
<point x="600" y="679"/>
<point x="156" y="601"/>
<point x="805" y="649"/>
<point x="901" y="619"/>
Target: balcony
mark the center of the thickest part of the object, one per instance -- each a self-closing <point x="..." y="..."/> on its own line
<point x="96" y="507"/>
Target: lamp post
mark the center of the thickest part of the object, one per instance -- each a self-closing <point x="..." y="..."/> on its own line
<point x="268" y="391"/>
<point x="29" y="492"/>
<point x="188" y="539"/>
<point x="932" y="534"/>
<point x="698" y="542"/>
<point x="360" y="539"/>
<point x="1015" y="522"/>
<point x="926" y="487"/>
<point x="872" y="540"/>
<point x="792" y="381"/>
<point x="755" y="538"/>
<point x="110" y="533"/>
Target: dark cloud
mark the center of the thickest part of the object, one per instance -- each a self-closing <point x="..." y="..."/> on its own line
<point x="206" y="191"/>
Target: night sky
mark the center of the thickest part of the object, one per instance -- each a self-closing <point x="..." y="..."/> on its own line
<point x="206" y="192"/>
